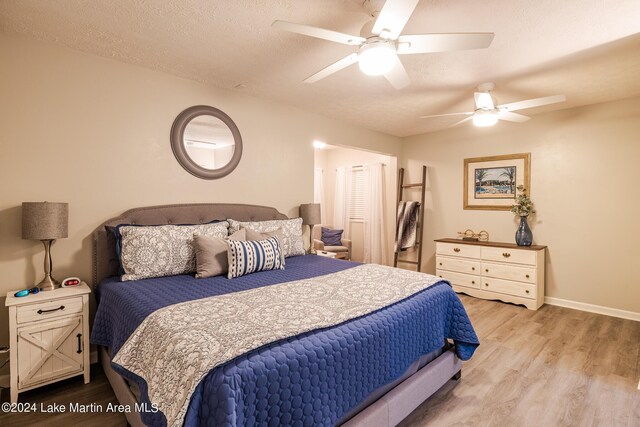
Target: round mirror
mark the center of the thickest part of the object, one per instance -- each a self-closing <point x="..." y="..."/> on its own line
<point x="206" y="142"/>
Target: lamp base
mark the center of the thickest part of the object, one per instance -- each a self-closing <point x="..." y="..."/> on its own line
<point x="48" y="284"/>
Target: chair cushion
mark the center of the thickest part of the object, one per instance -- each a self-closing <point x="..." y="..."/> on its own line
<point x="331" y="237"/>
<point x="336" y="249"/>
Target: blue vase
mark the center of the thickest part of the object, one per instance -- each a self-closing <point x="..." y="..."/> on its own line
<point x="524" y="236"/>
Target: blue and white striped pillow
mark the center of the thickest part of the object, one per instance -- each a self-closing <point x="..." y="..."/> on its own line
<point x="246" y="257"/>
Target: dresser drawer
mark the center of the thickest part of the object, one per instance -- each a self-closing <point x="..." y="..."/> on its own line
<point x="460" y="265"/>
<point x="509" y="272"/>
<point x="515" y="256"/>
<point x="460" y="279"/>
<point x="49" y="309"/>
<point x="452" y="249"/>
<point x="510" y="288"/>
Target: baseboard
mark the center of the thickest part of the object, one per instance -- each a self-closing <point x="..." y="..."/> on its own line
<point x="592" y="308"/>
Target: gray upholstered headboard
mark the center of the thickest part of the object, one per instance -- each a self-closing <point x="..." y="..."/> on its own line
<point x="105" y="260"/>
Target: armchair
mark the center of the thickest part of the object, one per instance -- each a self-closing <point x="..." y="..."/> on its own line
<point x="342" y="252"/>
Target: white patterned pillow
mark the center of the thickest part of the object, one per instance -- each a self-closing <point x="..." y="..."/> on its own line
<point x="246" y="257"/>
<point x="162" y="250"/>
<point x="292" y="243"/>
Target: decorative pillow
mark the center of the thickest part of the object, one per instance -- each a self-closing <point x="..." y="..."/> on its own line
<point x="292" y="243"/>
<point x="331" y="237"/>
<point x="162" y="250"/>
<point x="254" y="235"/>
<point x="252" y="256"/>
<point x="211" y="254"/>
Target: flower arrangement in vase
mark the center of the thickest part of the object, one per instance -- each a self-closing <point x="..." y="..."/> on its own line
<point x="523" y="208"/>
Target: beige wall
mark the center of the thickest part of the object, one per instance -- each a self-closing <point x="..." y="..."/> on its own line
<point x="95" y="133"/>
<point x="329" y="160"/>
<point x="584" y="183"/>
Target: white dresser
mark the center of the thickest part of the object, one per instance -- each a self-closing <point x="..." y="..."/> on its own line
<point x="492" y="270"/>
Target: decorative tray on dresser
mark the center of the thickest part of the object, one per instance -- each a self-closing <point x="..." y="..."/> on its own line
<point x="493" y="270"/>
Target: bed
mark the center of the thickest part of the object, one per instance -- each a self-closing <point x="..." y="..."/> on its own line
<point x="368" y="369"/>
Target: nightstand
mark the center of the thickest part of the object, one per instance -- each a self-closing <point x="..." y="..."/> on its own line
<point x="49" y="337"/>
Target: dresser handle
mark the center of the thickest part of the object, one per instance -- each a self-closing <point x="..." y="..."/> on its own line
<point x="486" y="284"/>
<point x="440" y="263"/>
<point x="51" y="310"/>
<point x="527" y="290"/>
<point x="79" y="336"/>
<point x="440" y="277"/>
<point x="506" y="254"/>
<point x="473" y="282"/>
<point x="486" y="269"/>
<point x="473" y="269"/>
<point x="527" y="276"/>
<point x="456" y="249"/>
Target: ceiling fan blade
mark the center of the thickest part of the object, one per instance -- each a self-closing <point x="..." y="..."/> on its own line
<point x="398" y="76"/>
<point x="484" y="100"/>
<point x="461" y="122"/>
<point x="512" y="117"/>
<point x="426" y="43"/>
<point x="530" y="103"/>
<point x="320" y="33"/>
<point x="446" y="115"/>
<point x="336" y="66"/>
<point x="393" y="17"/>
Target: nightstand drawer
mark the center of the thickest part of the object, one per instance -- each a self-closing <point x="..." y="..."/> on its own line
<point x="460" y="279"/>
<point x="509" y="272"/>
<point x="49" y="309"/>
<point x="515" y="256"/>
<point x="510" y="288"/>
<point x="467" y="251"/>
<point x="458" y="265"/>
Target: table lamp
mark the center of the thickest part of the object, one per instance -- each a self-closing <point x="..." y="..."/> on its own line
<point x="46" y="222"/>
<point x="310" y="214"/>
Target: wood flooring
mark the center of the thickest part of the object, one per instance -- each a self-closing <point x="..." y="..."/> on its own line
<point x="551" y="367"/>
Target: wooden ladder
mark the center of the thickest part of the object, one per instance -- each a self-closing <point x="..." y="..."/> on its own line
<point x="401" y="187"/>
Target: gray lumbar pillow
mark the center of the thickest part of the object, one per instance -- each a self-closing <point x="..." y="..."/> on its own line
<point x="211" y="254"/>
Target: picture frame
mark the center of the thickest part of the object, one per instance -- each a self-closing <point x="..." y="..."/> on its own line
<point x="490" y="182"/>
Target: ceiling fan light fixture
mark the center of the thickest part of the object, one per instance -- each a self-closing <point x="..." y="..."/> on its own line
<point x="484" y="118"/>
<point x="375" y="59"/>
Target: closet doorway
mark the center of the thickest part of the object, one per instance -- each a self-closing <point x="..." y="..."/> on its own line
<point x="357" y="191"/>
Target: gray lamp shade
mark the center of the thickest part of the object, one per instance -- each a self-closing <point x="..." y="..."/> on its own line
<point x="45" y="220"/>
<point x="310" y="213"/>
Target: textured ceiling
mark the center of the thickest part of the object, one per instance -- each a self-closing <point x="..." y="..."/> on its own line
<point x="586" y="49"/>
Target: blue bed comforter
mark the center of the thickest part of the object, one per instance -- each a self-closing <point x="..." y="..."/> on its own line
<point x="313" y="379"/>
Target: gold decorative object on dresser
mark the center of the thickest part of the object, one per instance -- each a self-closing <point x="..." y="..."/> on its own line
<point x="492" y="270"/>
<point x="49" y="337"/>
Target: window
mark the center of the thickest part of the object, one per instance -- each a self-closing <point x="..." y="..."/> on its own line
<point x="357" y="194"/>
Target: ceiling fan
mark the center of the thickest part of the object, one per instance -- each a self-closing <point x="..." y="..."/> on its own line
<point x="380" y="43"/>
<point x="487" y="113"/>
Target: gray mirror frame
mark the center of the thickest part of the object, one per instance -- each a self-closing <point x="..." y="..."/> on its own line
<point x="177" y="136"/>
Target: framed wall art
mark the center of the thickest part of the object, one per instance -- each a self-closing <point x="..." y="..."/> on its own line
<point x="490" y="182"/>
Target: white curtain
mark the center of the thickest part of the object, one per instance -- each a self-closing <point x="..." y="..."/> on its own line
<point x="375" y="236"/>
<point x="342" y="202"/>
<point x="318" y="192"/>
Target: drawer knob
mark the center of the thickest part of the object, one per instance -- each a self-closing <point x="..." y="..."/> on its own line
<point x="473" y="282"/>
<point x="527" y="290"/>
<point x="440" y="263"/>
<point x="527" y="276"/>
<point x="486" y="284"/>
<point x="473" y="269"/>
<point x="486" y="269"/>
<point x="440" y="276"/>
<point x="51" y="310"/>
<point x="506" y="254"/>
<point x="456" y="249"/>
